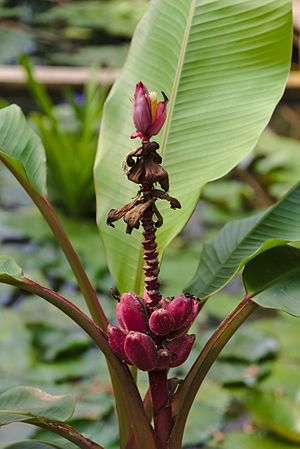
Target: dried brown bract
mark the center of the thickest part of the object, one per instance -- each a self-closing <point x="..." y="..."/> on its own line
<point x="142" y="166"/>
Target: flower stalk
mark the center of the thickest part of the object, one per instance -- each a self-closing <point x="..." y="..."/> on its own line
<point x="153" y="333"/>
<point x="153" y="330"/>
<point x="151" y="267"/>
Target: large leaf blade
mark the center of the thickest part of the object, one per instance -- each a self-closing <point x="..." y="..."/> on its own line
<point x="240" y="240"/>
<point x="26" y="403"/>
<point x="272" y="279"/>
<point x="223" y="63"/>
<point x="21" y="149"/>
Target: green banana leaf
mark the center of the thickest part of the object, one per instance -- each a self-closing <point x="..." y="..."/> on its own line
<point x="22" y="150"/>
<point x="273" y="279"/>
<point x="241" y="240"/>
<point x="27" y="403"/>
<point x="223" y="64"/>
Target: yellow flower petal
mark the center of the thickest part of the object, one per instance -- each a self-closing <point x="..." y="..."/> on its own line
<point x="153" y="101"/>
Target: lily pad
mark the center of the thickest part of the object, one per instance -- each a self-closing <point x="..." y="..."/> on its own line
<point x="277" y="413"/>
<point x="250" y="346"/>
<point x="251" y="441"/>
<point x="55" y="344"/>
<point x="233" y="374"/>
<point x="81" y="367"/>
<point x="207" y="414"/>
<point x="15" y="348"/>
<point x="284" y="378"/>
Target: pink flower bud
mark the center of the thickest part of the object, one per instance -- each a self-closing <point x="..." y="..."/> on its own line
<point x="148" y="115"/>
<point x="116" y="340"/>
<point x="141" y="351"/>
<point x="161" y="115"/>
<point x="131" y="313"/>
<point x="141" y="108"/>
<point x="180" y="348"/>
<point x="161" y="322"/>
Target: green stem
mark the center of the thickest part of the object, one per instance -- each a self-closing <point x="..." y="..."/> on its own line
<point x="186" y="394"/>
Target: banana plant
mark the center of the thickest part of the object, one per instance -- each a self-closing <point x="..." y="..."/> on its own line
<point x="221" y="66"/>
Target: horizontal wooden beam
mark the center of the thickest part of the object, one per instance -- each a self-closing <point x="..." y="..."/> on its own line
<point x="294" y="80"/>
<point x="14" y="76"/>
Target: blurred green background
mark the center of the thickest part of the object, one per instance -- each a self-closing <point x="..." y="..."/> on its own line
<point x="259" y="370"/>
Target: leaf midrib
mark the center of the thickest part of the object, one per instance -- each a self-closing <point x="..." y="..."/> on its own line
<point x="177" y="77"/>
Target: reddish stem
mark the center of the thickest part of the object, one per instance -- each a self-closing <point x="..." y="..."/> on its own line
<point x="158" y="380"/>
<point x="151" y="268"/>
<point x="188" y="389"/>
<point x="162" y="414"/>
<point x="67" y="432"/>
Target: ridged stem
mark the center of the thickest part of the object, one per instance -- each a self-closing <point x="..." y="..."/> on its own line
<point x="67" y="432"/>
<point x="151" y="267"/>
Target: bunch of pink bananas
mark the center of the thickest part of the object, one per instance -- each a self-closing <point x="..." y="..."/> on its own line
<point x="153" y="338"/>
